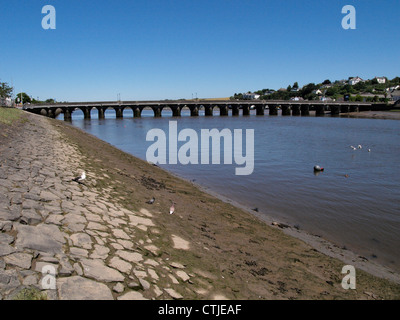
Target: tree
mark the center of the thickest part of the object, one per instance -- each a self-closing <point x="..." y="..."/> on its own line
<point x="25" y="98"/>
<point x="295" y="85"/>
<point x="331" y="91"/>
<point x="307" y="90"/>
<point x="327" y="81"/>
<point x="5" y="90"/>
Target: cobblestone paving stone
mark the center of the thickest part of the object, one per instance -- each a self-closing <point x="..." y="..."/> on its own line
<point x="48" y="223"/>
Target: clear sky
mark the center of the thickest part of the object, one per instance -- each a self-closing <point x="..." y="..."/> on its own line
<point x="171" y="49"/>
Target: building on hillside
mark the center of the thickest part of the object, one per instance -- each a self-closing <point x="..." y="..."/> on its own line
<point x="353" y="81"/>
<point x="317" y="92"/>
<point x="380" y="80"/>
<point x="251" y="96"/>
<point x="395" y="95"/>
<point x="6" y="102"/>
<point x="393" y="88"/>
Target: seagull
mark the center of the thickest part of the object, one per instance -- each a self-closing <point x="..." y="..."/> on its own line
<point x="80" y="178"/>
<point x="354" y="148"/>
<point x="172" y="209"/>
<point x="369" y="150"/>
<point x="359" y="146"/>
<point x="151" y="201"/>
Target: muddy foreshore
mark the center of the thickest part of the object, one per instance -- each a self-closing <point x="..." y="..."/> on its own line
<point x="108" y="243"/>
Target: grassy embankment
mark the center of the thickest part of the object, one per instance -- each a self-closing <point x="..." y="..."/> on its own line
<point x="9" y="115"/>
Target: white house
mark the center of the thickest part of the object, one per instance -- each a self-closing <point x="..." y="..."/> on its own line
<point x="318" y="92"/>
<point x="380" y="79"/>
<point x="251" y="96"/>
<point x="355" y="80"/>
<point x="7" y="102"/>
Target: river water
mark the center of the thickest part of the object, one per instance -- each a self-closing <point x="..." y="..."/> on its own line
<point x="354" y="203"/>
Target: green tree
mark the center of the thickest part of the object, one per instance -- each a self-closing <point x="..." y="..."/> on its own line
<point x="307" y="90"/>
<point x="25" y="98"/>
<point x="295" y="85"/>
<point x="5" y="90"/>
<point x="327" y="81"/>
<point x="331" y="91"/>
<point x="358" y="98"/>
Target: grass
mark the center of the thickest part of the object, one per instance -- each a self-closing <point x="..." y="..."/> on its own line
<point x="30" y="294"/>
<point x="9" y="115"/>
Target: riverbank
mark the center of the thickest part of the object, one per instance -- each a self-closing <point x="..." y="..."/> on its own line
<point x="106" y="242"/>
<point x="387" y="115"/>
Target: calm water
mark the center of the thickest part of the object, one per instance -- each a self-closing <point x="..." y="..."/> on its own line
<point x="361" y="212"/>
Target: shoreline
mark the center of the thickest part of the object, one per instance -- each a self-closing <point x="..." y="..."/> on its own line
<point x="207" y="249"/>
<point x="317" y="242"/>
<point x="382" y="115"/>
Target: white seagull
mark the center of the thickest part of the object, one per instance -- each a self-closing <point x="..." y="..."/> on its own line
<point x="359" y="146"/>
<point x="80" y="178"/>
<point x="172" y="209"/>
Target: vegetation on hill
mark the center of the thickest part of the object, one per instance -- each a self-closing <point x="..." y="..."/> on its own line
<point x="368" y="90"/>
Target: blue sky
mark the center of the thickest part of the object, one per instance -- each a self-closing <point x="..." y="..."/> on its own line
<point x="171" y="49"/>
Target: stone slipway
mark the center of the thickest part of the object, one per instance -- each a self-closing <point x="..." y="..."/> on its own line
<point x="102" y="241"/>
<point x="97" y="248"/>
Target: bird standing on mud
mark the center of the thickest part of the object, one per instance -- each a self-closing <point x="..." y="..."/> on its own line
<point x="151" y="201"/>
<point x="172" y="209"/>
<point x="80" y="178"/>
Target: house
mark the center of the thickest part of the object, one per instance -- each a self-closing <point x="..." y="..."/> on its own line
<point x="7" y="102"/>
<point x="341" y="82"/>
<point x="353" y="81"/>
<point x="392" y="88"/>
<point x="380" y="79"/>
<point x="251" y="96"/>
<point x="317" y="92"/>
<point x="296" y="99"/>
<point x="326" y="99"/>
<point x="396" y="95"/>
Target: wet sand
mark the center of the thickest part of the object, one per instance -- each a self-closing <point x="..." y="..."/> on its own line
<point x="226" y="250"/>
<point x="388" y="115"/>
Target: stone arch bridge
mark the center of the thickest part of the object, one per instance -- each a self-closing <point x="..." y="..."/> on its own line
<point x="295" y="108"/>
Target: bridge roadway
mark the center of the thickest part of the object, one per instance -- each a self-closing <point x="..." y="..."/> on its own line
<point x="295" y="108"/>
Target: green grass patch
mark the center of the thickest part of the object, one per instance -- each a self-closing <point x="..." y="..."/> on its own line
<point x="30" y="294"/>
<point x="9" y="115"/>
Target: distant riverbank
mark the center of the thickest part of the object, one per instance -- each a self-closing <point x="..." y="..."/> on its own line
<point x="389" y="115"/>
<point x="207" y="249"/>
